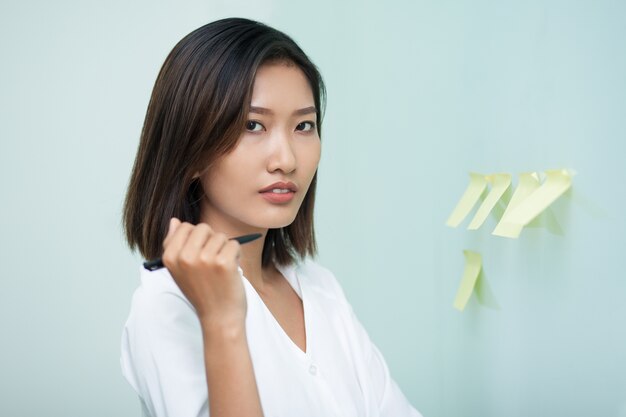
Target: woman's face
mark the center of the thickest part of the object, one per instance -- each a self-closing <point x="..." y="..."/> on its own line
<point x="280" y="143"/>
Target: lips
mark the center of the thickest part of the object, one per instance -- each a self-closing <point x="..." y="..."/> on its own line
<point x="281" y="185"/>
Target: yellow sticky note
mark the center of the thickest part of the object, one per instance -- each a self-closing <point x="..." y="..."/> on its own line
<point x="484" y="293"/>
<point x="557" y="182"/>
<point x="472" y="193"/>
<point x="547" y="220"/>
<point x="473" y="266"/>
<point x="499" y="184"/>
<point x="528" y="183"/>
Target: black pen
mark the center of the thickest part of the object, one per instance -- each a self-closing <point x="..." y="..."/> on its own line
<point x="155" y="264"/>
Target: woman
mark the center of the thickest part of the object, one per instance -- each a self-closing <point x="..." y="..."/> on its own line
<point x="230" y="146"/>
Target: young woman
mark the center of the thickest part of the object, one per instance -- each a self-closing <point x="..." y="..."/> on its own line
<point x="230" y="146"/>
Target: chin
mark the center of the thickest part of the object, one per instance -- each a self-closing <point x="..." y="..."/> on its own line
<point x="274" y="222"/>
<point x="277" y="224"/>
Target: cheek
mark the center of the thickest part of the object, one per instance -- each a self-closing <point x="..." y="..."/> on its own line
<point x="311" y="154"/>
<point x="221" y="180"/>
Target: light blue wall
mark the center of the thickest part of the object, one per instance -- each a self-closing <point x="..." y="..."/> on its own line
<point x="420" y="93"/>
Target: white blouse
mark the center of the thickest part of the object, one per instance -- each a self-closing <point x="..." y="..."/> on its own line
<point x="342" y="373"/>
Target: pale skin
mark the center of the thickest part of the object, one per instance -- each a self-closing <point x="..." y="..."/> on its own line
<point x="280" y="143"/>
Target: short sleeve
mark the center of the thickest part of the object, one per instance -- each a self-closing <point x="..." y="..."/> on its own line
<point x="162" y="355"/>
<point x="388" y="395"/>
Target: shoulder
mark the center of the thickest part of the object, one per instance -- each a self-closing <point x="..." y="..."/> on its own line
<point x="161" y="321"/>
<point x="162" y="347"/>
<point x="158" y="301"/>
<point x="159" y="281"/>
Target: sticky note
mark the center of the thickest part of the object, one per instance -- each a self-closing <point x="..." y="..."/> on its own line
<point x="473" y="266"/>
<point x="528" y="183"/>
<point x="498" y="210"/>
<point x="484" y="293"/>
<point x="557" y="182"/>
<point x="474" y="190"/>
<point x="547" y="220"/>
<point x="499" y="184"/>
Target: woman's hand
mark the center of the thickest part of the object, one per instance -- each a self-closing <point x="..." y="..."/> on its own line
<point x="204" y="265"/>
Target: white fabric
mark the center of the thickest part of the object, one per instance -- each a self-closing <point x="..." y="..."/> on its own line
<point x="342" y="373"/>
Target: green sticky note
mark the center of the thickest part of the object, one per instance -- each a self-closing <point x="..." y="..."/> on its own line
<point x="499" y="184"/>
<point x="557" y="182"/>
<point x="484" y="293"/>
<point x="528" y="183"/>
<point x="474" y="190"/>
<point x="473" y="266"/>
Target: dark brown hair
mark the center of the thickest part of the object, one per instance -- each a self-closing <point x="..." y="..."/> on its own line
<point x="197" y="112"/>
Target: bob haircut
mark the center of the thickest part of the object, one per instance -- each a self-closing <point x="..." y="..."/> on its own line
<point x="197" y="112"/>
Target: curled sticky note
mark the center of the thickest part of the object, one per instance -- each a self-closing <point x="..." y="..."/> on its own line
<point x="499" y="184"/>
<point x="498" y="210"/>
<point x="473" y="266"/>
<point x="528" y="183"/>
<point x="484" y="293"/>
<point x="557" y="182"/>
<point x="472" y="193"/>
<point x="547" y="220"/>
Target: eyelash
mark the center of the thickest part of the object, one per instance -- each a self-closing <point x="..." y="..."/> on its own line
<point x="309" y="122"/>
<point x="252" y="121"/>
<point x="259" y="123"/>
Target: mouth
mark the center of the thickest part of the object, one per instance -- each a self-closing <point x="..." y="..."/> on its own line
<point x="280" y="188"/>
<point x="278" y="191"/>
<point x="278" y="196"/>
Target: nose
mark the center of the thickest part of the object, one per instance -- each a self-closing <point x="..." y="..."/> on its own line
<point x="282" y="156"/>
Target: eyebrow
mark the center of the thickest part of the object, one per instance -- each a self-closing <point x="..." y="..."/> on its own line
<point x="300" y="112"/>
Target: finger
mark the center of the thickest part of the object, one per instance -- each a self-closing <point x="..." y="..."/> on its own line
<point x="196" y="240"/>
<point x="212" y="247"/>
<point x="226" y="259"/>
<point x="173" y="225"/>
<point x="175" y="244"/>
<point x="230" y="252"/>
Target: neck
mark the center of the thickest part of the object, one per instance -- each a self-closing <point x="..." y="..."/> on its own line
<point x="251" y="263"/>
<point x="251" y="253"/>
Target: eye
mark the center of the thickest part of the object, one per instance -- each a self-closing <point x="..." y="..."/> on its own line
<point x="302" y="126"/>
<point x="253" y="126"/>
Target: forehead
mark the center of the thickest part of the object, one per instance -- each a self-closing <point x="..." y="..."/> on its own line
<point x="281" y="86"/>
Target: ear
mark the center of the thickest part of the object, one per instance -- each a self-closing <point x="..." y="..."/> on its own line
<point x="196" y="175"/>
